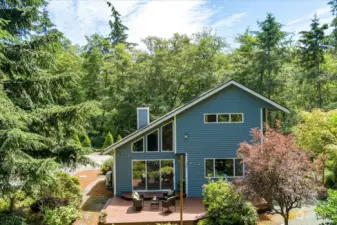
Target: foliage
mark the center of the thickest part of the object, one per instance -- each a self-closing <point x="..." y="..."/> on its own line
<point x="312" y="56"/>
<point x="107" y="165"/>
<point x="278" y="170"/>
<point x="109" y="140"/>
<point x="12" y="220"/>
<point x="317" y="133"/>
<point x="225" y="204"/>
<point x="63" y="215"/>
<point x="86" y="142"/>
<point x="328" y="209"/>
<point x="66" y="190"/>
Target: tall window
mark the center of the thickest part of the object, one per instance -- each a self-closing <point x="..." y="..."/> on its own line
<point x="152" y="142"/>
<point x="167" y="137"/>
<point x="138" y="146"/>
<point x="215" y="168"/>
<point x="138" y="175"/>
<point x="153" y="174"/>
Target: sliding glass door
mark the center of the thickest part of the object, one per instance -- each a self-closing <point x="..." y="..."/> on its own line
<point x="149" y="175"/>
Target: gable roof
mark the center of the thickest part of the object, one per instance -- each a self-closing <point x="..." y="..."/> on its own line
<point x="188" y="105"/>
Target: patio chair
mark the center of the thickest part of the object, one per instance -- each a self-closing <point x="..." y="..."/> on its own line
<point x="138" y="201"/>
<point x="171" y="201"/>
<point x="170" y="193"/>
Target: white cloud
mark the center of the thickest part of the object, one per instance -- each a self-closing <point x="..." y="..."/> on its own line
<point x="77" y="18"/>
<point x="303" y="22"/>
<point x="229" y="21"/>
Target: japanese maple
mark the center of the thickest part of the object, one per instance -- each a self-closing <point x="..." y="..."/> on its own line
<point x="277" y="170"/>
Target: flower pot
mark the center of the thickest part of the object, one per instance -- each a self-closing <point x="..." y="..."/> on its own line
<point x="102" y="219"/>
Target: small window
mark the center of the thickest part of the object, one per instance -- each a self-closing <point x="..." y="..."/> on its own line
<point x="138" y="146"/>
<point x="236" y="118"/>
<point x="210" y="118"/>
<point x="209" y="172"/>
<point x="223" y="118"/>
<point x="152" y="142"/>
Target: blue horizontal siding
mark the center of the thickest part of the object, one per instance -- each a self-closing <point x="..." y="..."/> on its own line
<point x="215" y="140"/>
<point x="124" y="157"/>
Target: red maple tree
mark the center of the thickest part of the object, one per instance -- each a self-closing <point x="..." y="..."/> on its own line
<point x="277" y="170"/>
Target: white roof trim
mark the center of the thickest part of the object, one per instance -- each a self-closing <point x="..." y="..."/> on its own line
<point x="188" y="105"/>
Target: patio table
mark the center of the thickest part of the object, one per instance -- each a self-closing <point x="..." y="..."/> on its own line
<point x="154" y="202"/>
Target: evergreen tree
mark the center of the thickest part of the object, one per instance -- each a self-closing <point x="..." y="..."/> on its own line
<point x="86" y="142"/>
<point x="118" y="30"/>
<point x="333" y="35"/>
<point x="119" y="138"/>
<point x="312" y="50"/>
<point x="109" y="140"/>
<point x="269" y="38"/>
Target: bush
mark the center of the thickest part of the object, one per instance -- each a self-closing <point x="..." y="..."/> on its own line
<point x="63" y="215"/>
<point x="204" y="222"/>
<point x="328" y="209"/>
<point x="226" y="205"/>
<point x="107" y="165"/>
<point x="4" y="206"/>
<point x="12" y="220"/>
<point x="65" y="191"/>
<point x="109" y="140"/>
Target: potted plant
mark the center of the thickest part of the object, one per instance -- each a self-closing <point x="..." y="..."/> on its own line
<point x="102" y="217"/>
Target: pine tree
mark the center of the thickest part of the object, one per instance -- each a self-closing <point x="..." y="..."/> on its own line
<point x="333" y="35"/>
<point x="86" y="142"/>
<point x="119" y="138"/>
<point x="269" y="38"/>
<point x="312" y="50"/>
<point x="118" y="30"/>
<point x="109" y="140"/>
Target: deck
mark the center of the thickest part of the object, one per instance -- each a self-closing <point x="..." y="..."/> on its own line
<point x="121" y="212"/>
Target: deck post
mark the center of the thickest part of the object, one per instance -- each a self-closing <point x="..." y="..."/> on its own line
<point x="181" y="188"/>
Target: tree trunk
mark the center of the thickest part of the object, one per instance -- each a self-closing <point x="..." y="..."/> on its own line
<point x="320" y="99"/>
<point x="323" y="167"/>
<point x="11" y="204"/>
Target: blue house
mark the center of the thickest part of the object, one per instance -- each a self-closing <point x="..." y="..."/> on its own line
<point x="207" y="131"/>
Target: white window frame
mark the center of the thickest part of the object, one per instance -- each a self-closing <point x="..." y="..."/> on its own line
<point x="161" y="137"/>
<point x="217" y="118"/>
<point x="135" y="142"/>
<point x="146" y="160"/>
<point x="243" y="167"/>
<point x="157" y="130"/>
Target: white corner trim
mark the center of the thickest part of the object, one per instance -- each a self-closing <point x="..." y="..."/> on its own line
<point x="114" y="172"/>
<point x="175" y="134"/>
<point x="261" y="118"/>
<point x="182" y="108"/>
<point x="186" y="174"/>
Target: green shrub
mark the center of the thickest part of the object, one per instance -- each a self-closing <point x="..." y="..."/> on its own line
<point x="226" y="205"/>
<point x="4" y="206"/>
<point x="11" y="220"/>
<point x="205" y="222"/>
<point x="109" y="140"/>
<point x="107" y="165"/>
<point x="65" y="191"/>
<point x="63" y="215"/>
<point x="86" y="142"/>
<point x="328" y="209"/>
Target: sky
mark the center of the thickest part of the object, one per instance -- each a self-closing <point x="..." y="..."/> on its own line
<point x="162" y="18"/>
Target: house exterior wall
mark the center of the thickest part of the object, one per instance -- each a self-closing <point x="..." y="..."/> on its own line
<point x="124" y="157"/>
<point x="216" y="140"/>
